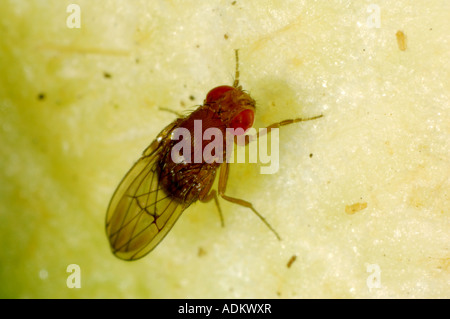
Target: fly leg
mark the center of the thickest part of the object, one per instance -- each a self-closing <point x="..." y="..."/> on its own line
<point x="165" y="109"/>
<point x="223" y="178"/>
<point x="279" y="124"/>
<point x="213" y="195"/>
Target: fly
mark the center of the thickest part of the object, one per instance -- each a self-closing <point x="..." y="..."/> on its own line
<point x="157" y="189"/>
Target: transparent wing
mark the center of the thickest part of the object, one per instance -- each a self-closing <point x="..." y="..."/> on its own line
<point x="140" y="213"/>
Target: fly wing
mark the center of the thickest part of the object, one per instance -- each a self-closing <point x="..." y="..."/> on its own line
<point x="140" y="213"/>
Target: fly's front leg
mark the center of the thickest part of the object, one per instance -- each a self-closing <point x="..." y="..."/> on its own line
<point x="165" y="109"/>
<point x="223" y="178"/>
<point x="292" y="121"/>
<point x="278" y="125"/>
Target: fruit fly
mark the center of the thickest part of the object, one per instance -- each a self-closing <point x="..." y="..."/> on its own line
<point x="157" y="189"/>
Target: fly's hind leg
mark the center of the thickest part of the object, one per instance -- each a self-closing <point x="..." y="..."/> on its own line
<point x="213" y="195"/>
<point x="223" y="178"/>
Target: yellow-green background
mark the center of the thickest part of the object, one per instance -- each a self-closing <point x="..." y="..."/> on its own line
<point x="384" y="141"/>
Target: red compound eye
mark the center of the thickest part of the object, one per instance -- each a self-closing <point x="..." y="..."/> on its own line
<point x="217" y="93"/>
<point x="243" y="120"/>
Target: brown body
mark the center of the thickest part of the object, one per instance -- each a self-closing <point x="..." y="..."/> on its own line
<point x="189" y="182"/>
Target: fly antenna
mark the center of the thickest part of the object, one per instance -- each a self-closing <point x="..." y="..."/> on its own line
<point x="236" y="77"/>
